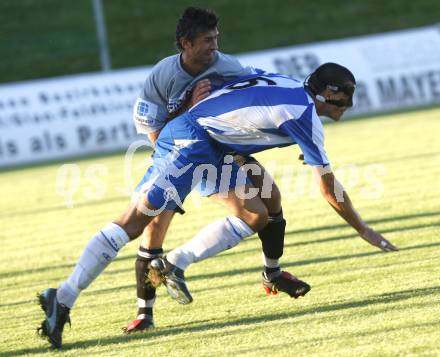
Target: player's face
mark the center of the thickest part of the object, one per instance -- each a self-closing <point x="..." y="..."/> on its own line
<point x="333" y="111"/>
<point x="202" y="49"/>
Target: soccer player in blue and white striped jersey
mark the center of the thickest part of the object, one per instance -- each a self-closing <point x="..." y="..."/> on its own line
<point x="252" y="114"/>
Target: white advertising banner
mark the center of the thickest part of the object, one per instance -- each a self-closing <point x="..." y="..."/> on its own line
<point x="70" y="116"/>
<point x="394" y="70"/>
<point x="85" y="114"/>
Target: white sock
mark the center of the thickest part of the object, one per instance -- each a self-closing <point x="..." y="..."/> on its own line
<point x="143" y="304"/>
<point x="211" y="240"/>
<point x="99" y="252"/>
<point x="146" y="303"/>
<point x="270" y="263"/>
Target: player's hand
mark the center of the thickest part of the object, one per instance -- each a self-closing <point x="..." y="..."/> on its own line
<point x="201" y="90"/>
<point x="376" y="239"/>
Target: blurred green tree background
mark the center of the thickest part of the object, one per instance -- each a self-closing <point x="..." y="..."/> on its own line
<point x="46" y="38"/>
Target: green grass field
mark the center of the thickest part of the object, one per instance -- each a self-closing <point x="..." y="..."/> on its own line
<point x="363" y="302"/>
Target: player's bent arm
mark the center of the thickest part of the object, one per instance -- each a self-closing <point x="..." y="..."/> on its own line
<point x="200" y="91"/>
<point x="338" y="198"/>
<point x="153" y="137"/>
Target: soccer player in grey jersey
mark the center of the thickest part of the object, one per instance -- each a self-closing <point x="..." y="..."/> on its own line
<point x="175" y="84"/>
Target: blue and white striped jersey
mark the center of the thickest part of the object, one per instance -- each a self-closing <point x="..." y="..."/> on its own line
<point x="259" y="112"/>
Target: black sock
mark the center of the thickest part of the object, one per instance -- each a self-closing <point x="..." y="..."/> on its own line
<point x="271" y="270"/>
<point x="144" y="290"/>
<point x="272" y="236"/>
<point x="145" y="311"/>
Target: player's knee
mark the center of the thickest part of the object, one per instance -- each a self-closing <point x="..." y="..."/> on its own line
<point x="133" y="221"/>
<point x="257" y="220"/>
<point x="132" y="226"/>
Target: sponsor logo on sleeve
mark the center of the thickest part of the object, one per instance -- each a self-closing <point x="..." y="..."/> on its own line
<point x="145" y="112"/>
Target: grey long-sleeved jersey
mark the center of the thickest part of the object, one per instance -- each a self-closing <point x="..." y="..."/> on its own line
<point x="168" y="85"/>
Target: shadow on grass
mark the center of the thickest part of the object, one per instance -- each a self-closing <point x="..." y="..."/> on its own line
<point x="310" y="262"/>
<point x="257" y="270"/>
<point x="306" y="261"/>
<point x="245" y="270"/>
<point x="44" y="269"/>
<point x="371" y="221"/>
<point x="57" y="208"/>
<point x="287" y="264"/>
<point x="293" y="244"/>
<point x="355" y="235"/>
<point x="202" y="326"/>
<point x="314" y="340"/>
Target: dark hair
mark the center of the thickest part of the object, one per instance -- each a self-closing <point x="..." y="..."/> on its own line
<point x="331" y="75"/>
<point x="194" y="21"/>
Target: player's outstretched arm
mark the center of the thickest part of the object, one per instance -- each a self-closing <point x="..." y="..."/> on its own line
<point x="338" y="198"/>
